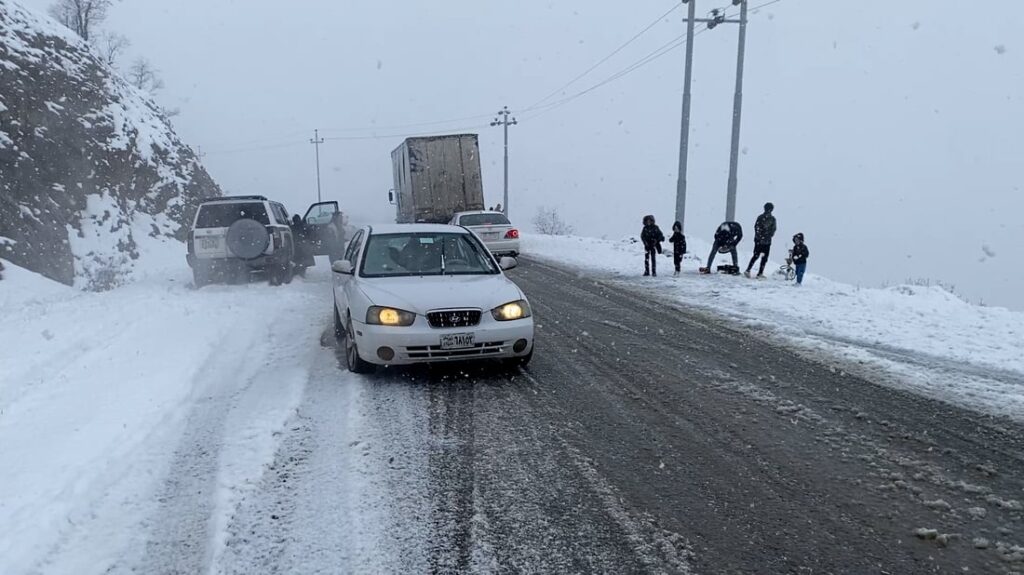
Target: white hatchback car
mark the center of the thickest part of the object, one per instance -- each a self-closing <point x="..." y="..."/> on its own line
<point x="493" y="228"/>
<point x="422" y="293"/>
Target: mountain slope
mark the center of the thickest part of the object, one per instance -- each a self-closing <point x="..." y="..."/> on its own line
<point x="90" y="168"/>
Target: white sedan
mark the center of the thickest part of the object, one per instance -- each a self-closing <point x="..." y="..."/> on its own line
<point x="493" y="228"/>
<point x="421" y="293"/>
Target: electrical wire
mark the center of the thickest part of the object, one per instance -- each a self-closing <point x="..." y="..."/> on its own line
<point x="407" y="135"/>
<point x="657" y="53"/>
<point x="405" y="126"/>
<point x="602" y="60"/>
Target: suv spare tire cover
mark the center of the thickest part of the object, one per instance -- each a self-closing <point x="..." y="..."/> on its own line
<point x="247" y="239"/>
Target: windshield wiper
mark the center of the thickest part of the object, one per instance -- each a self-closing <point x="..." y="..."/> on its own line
<point x="442" y="257"/>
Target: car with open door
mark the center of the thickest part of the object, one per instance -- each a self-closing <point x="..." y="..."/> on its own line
<point x="235" y="236"/>
<point x="494" y="228"/>
<point x="324" y="224"/>
<point x="425" y="293"/>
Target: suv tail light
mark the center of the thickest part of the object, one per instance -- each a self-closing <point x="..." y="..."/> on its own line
<point x="512" y="234"/>
<point x="192" y="242"/>
<point x="278" y="239"/>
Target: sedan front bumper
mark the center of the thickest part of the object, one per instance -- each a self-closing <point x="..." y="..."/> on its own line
<point x="420" y="343"/>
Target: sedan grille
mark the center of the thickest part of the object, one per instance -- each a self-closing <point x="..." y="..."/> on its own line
<point x="454" y="318"/>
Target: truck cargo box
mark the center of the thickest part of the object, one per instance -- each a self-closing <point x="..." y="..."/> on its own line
<point x="435" y="177"/>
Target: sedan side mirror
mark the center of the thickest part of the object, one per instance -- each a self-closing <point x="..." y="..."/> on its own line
<point x="508" y="263"/>
<point x="342" y="267"/>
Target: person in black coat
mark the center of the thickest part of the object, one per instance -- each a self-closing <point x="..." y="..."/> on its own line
<point x="678" y="241"/>
<point x="727" y="237"/>
<point x="800" y="255"/>
<point x="764" y="230"/>
<point x="651" y="237"/>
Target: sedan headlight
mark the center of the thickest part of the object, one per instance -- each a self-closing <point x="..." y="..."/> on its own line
<point x="378" y="315"/>
<point x="512" y="311"/>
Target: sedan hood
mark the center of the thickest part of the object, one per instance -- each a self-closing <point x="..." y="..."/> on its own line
<point x="423" y="294"/>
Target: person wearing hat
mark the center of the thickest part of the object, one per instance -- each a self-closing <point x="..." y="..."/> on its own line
<point x="800" y="255"/>
<point x="652" y="237"/>
<point x="764" y="230"/>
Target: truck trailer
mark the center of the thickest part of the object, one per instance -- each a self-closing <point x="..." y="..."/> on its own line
<point x="435" y="177"/>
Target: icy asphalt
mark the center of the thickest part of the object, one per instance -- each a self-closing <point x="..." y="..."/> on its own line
<point x="645" y="437"/>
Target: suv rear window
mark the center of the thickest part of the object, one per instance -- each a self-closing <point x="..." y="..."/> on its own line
<point x="223" y="215"/>
<point x="484" y="220"/>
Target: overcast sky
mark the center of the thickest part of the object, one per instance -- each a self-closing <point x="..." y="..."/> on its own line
<point x="890" y="133"/>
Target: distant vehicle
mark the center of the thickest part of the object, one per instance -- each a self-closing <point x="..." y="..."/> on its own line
<point x="421" y="293"/>
<point x="236" y="235"/>
<point x="436" y="177"/>
<point x="493" y="228"/>
<point x="325" y="229"/>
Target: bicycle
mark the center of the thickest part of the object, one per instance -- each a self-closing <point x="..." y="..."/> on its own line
<point x="787" y="270"/>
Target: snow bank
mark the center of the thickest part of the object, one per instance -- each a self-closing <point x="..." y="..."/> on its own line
<point x="892" y="327"/>
<point x="95" y="390"/>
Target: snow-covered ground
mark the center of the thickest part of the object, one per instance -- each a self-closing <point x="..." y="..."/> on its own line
<point x="96" y="390"/>
<point x="921" y="338"/>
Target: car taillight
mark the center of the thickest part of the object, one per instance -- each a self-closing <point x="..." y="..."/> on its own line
<point x="278" y="239"/>
<point x="192" y="242"/>
<point x="512" y="235"/>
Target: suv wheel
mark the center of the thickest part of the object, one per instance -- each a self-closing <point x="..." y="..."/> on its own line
<point x="355" y="363"/>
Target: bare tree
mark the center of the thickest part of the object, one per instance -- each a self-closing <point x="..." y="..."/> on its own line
<point x="82" y="16"/>
<point x="144" y="76"/>
<point x="547" y="221"/>
<point x="111" y="46"/>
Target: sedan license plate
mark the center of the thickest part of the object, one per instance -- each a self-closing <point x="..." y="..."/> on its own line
<point x="457" y="340"/>
<point x="211" y="243"/>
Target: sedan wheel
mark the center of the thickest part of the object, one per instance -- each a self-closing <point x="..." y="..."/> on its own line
<point x="355" y="363"/>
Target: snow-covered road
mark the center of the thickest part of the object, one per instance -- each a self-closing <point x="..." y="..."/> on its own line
<point x="160" y="429"/>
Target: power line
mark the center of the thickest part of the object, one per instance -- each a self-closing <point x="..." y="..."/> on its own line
<point x="414" y="125"/>
<point x="259" y="148"/>
<point x="657" y="53"/>
<point x="603" y="60"/>
<point x="408" y="135"/>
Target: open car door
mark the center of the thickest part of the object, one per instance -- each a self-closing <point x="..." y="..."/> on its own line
<point x="325" y="230"/>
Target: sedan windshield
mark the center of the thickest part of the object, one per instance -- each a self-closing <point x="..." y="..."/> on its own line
<point x="423" y="254"/>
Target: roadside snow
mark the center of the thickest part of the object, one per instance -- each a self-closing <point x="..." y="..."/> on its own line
<point x="95" y="390"/>
<point x="935" y="343"/>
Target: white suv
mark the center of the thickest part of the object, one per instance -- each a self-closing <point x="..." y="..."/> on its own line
<point x="236" y="235"/>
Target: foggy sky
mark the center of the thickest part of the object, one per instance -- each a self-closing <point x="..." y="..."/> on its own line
<point x="888" y="132"/>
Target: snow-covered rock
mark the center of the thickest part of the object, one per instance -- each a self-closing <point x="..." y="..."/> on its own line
<point x="90" y="168"/>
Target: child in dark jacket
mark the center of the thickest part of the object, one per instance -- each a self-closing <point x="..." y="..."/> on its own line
<point x="800" y="255"/>
<point x="652" y="237"/>
<point x="678" y="241"/>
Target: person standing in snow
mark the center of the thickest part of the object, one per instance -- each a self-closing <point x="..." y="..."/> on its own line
<point x="764" y="230"/>
<point x="727" y="237"/>
<point x="678" y="241"/>
<point x="800" y="255"/>
<point x="652" y="237"/>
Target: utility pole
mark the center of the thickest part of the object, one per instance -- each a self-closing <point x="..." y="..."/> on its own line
<point x="684" y="136"/>
<point x="504" y="120"/>
<point x="316" y="141"/>
<point x="737" y="109"/>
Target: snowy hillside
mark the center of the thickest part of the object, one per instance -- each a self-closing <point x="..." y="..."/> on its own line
<point x="92" y="175"/>
<point x="923" y="338"/>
